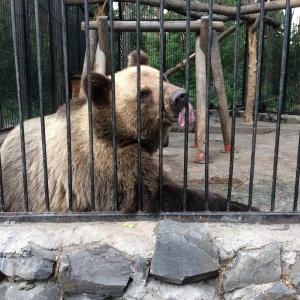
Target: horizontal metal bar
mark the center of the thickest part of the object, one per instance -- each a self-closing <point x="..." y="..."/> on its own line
<point x="153" y="26"/>
<point x="232" y="217"/>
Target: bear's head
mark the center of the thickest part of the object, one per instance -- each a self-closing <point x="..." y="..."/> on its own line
<point x="126" y="104"/>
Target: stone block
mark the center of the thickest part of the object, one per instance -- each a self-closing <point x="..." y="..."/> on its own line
<point x="295" y="275"/>
<point x="101" y="271"/>
<point x="254" y="267"/>
<point x="270" y="291"/>
<point x="31" y="264"/>
<point x="37" y="291"/>
<point x="183" y="253"/>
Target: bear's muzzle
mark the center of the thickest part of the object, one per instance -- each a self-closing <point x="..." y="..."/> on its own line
<point x="178" y="100"/>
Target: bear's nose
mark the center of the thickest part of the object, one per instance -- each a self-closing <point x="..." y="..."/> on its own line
<point x="178" y="99"/>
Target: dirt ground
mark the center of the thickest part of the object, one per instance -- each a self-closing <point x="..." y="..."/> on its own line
<point x="219" y="167"/>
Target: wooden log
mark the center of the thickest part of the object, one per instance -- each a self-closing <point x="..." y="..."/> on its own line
<point x="100" y="61"/>
<point x="104" y="43"/>
<point x="204" y="7"/>
<point x="252" y="70"/>
<point x="179" y="66"/>
<point x="219" y="83"/>
<point x="228" y="31"/>
<point x="125" y="37"/>
<point x="81" y="2"/>
<point x="153" y="26"/>
<point x="93" y="35"/>
<point x="200" y="61"/>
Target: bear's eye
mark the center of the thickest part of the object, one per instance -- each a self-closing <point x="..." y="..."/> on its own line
<point x="144" y="95"/>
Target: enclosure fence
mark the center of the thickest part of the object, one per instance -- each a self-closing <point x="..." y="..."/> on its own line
<point x="38" y="60"/>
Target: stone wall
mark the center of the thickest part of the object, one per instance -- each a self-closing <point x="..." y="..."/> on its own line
<point x="186" y="262"/>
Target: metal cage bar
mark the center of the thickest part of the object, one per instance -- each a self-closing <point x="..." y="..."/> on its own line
<point x="257" y="94"/>
<point x="68" y="120"/>
<point x="90" y="103"/>
<point x="234" y="101"/>
<point x="282" y="94"/>
<point x="296" y="191"/>
<point x="1" y="188"/>
<point x="20" y="105"/>
<point x="40" y="83"/>
<point x="187" y="81"/>
<point x="161" y="105"/>
<point x="113" y="106"/>
<point x="208" y="76"/>
<point x="138" y="78"/>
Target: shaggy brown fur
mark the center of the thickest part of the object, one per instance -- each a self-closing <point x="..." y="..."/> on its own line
<point x="126" y="135"/>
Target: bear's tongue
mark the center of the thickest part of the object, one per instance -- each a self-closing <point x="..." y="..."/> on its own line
<point x="181" y="117"/>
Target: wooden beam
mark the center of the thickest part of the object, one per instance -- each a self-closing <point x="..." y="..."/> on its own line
<point x="93" y="46"/>
<point x="81" y="2"/>
<point x="153" y="26"/>
<point x="204" y="7"/>
<point x="217" y="70"/>
<point x="200" y="132"/>
<point x="104" y="43"/>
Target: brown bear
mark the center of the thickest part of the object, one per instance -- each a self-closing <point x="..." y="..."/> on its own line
<point x="126" y="141"/>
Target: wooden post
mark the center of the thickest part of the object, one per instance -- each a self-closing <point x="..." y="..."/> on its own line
<point x="252" y="70"/>
<point x="200" y="52"/>
<point x="93" y="35"/>
<point x="104" y="44"/>
<point x="125" y="36"/>
<point x="217" y="71"/>
<point x="100" y="61"/>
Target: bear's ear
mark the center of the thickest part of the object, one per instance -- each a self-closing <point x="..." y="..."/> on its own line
<point x="100" y="88"/>
<point x="132" y="58"/>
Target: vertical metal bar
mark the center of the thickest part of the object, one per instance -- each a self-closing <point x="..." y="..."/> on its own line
<point x="1" y="111"/>
<point x="161" y="101"/>
<point x="40" y="84"/>
<point x="120" y="65"/>
<point x="78" y="30"/>
<point x="257" y="94"/>
<point x="282" y="95"/>
<point x="296" y="193"/>
<point x="235" y="85"/>
<point x="27" y="57"/>
<point x="66" y="75"/>
<point x="22" y="137"/>
<point x="67" y="17"/>
<point x="187" y="73"/>
<point x="113" y="103"/>
<point x="90" y="108"/>
<point x="138" y="48"/>
<point x="1" y="188"/>
<point x="1" y="97"/>
<point x="245" y="69"/>
<point x="52" y="51"/>
<point x="208" y="76"/>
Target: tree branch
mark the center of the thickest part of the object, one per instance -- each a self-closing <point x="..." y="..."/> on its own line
<point x="228" y="31"/>
<point x="182" y="64"/>
<point x="255" y="24"/>
<point x="179" y="66"/>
